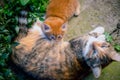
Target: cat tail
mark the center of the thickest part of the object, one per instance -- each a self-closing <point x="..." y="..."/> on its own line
<point x="22" y="22"/>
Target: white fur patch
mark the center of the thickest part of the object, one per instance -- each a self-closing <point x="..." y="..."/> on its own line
<point x="101" y="38"/>
<point x="99" y="30"/>
<point x="37" y="27"/>
<point x="91" y="39"/>
<point x="88" y="45"/>
<point x="22" y="20"/>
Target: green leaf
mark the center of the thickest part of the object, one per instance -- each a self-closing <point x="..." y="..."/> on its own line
<point x="8" y="72"/>
<point x="24" y="2"/>
<point x="8" y="38"/>
<point x="4" y="56"/>
<point x="2" y="78"/>
<point x="2" y="63"/>
<point x="117" y="47"/>
<point x="17" y="29"/>
<point x="108" y="37"/>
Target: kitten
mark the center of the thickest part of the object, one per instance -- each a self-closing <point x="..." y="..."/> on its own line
<point x="57" y="14"/>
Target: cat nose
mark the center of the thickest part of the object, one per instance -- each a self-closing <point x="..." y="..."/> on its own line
<point x="59" y="37"/>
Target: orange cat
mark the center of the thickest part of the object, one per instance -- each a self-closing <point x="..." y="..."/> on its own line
<point x="57" y="14"/>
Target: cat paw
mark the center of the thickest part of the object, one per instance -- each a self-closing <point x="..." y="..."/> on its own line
<point x="77" y="12"/>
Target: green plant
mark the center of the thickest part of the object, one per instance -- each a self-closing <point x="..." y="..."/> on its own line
<point x="9" y="28"/>
<point x="117" y="47"/>
<point x="109" y="39"/>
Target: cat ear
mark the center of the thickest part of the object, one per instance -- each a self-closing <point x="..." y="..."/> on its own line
<point x="98" y="30"/>
<point x="39" y="23"/>
<point x="115" y="56"/>
<point x="64" y="26"/>
<point x="46" y="27"/>
<point x="96" y="71"/>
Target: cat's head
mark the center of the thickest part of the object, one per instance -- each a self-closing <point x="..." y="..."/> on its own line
<point x="54" y="30"/>
<point x="104" y="49"/>
<point x="100" y="53"/>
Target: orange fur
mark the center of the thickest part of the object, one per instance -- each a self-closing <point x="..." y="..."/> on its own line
<point x="28" y="41"/>
<point x="103" y="51"/>
<point x="58" y="13"/>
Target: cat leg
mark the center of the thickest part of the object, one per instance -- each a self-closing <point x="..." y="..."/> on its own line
<point x="77" y="12"/>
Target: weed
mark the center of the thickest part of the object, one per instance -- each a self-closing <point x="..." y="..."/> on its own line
<point x="110" y="39"/>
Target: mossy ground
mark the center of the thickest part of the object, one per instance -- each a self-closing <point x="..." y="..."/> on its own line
<point x="111" y="72"/>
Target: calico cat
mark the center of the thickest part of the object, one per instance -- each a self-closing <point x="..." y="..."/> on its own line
<point x="57" y="14"/>
<point x="94" y="50"/>
<point x="44" y="60"/>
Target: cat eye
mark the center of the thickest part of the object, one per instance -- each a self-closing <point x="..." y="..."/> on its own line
<point x="64" y="26"/>
<point x="105" y="45"/>
<point x="46" y="27"/>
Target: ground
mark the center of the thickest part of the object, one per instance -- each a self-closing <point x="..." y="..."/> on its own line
<point x="96" y="13"/>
